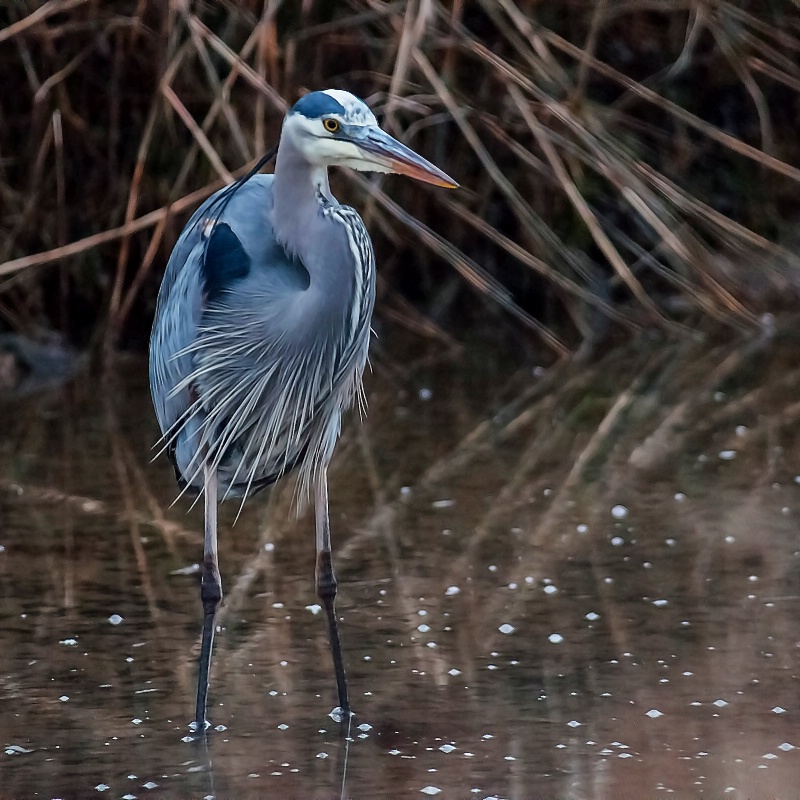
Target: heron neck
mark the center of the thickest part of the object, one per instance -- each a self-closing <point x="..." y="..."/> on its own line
<point x="299" y="188"/>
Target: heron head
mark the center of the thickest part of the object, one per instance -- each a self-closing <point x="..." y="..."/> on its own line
<point x="335" y="128"/>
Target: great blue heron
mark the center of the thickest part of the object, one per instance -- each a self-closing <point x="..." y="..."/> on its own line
<point x="262" y="328"/>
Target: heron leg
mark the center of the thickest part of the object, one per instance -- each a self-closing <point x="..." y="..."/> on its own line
<point x="210" y="595"/>
<point x="326" y="586"/>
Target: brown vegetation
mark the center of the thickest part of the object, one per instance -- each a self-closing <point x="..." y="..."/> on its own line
<point x="625" y="165"/>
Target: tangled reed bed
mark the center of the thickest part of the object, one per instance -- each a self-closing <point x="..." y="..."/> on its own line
<point x="626" y="166"/>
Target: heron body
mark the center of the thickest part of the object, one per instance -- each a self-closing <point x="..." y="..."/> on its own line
<point x="262" y="330"/>
<point x="255" y="378"/>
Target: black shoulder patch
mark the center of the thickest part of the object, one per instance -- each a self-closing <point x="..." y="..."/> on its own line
<point x="316" y="104"/>
<point x="224" y="261"/>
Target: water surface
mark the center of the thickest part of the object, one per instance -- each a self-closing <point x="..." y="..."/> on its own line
<point x="578" y="582"/>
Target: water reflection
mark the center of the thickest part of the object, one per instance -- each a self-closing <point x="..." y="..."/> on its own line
<point x="592" y="594"/>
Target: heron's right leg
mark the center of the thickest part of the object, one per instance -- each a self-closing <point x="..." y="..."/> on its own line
<point x="326" y="586"/>
<point x="210" y="595"/>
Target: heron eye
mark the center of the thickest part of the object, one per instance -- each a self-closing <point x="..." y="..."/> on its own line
<point x="331" y="125"/>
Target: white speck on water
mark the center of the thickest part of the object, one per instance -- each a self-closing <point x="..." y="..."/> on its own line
<point x="283" y="726"/>
<point x="786" y="747"/>
<point x="509" y="758"/>
<point x="617" y="541"/>
<point x="555" y="638"/>
<point x="506" y="628"/>
<point x="778" y="710"/>
<point x="573" y="723"/>
<point x="422" y="613"/>
<point x="18" y="749"/>
<point x="529" y="579"/>
<point x="720" y="703"/>
<point x="430" y="790"/>
<point x="624" y="755"/>
<point x="547" y="492"/>
<point x="550" y="589"/>
<point x="591" y="616"/>
<point x="425" y="394"/>
<point x="284" y="663"/>
<point x="136" y="721"/>
<point x="719" y="396"/>
<point x="315" y="608"/>
<point x="64" y="698"/>
<point x="452" y="590"/>
<point x="647" y="565"/>
<point x="660" y="603"/>
<point x="447" y="748"/>
<point x="405" y="491"/>
<point x="512" y="586"/>
<point x="679" y="497"/>
<point x="269" y="547"/>
<point x="454" y="672"/>
<point x="115" y="619"/>
<point x="741" y="430"/>
<point x="492" y="567"/>
<point x="619" y="512"/>
<point x="687" y="674"/>
<point x="149" y="785"/>
<point x="322" y="755"/>
<point x="423" y="628"/>
<point x="446" y="503"/>
<point x="102" y="787"/>
<point x="727" y="455"/>
<point x="769" y="756"/>
<point x="582" y="528"/>
<point x="364" y="727"/>
<point x="654" y="713"/>
<point x="394" y="752"/>
<point x="730" y="539"/>
<point x="670" y="542"/>
<point x="431" y="644"/>
<point x="752" y="578"/>
<point x="69" y="642"/>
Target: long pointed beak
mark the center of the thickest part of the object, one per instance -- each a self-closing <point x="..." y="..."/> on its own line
<point x="394" y="156"/>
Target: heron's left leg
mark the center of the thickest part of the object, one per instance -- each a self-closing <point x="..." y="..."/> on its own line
<point x="326" y="585"/>
<point x="210" y="595"/>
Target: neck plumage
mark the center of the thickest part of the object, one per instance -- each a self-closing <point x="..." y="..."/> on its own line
<point x="299" y="191"/>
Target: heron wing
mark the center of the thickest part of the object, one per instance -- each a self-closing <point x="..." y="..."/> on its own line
<point x="189" y="279"/>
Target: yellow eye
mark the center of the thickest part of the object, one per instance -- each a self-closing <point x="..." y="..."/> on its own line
<point x="331" y="125"/>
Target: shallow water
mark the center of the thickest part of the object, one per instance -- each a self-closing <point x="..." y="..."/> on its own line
<point x="594" y="596"/>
